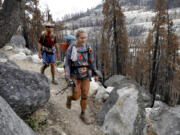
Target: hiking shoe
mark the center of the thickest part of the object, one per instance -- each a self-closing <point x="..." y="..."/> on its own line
<point x="42" y="71"/>
<point x="85" y="119"/>
<point x="68" y="102"/>
<point x="54" y="82"/>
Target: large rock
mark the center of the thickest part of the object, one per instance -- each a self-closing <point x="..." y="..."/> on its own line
<point x="25" y="91"/>
<point x="4" y="60"/>
<point x="18" y="41"/>
<point x="163" y="120"/>
<point x="10" y="123"/>
<point x="114" y="81"/>
<point x="124" y="111"/>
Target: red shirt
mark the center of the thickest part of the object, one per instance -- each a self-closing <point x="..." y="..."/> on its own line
<point x="47" y="40"/>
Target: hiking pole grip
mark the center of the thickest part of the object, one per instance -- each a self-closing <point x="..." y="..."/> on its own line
<point x="73" y="85"/>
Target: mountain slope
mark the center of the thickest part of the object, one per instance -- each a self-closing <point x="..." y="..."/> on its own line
<point x="138" y="18"/>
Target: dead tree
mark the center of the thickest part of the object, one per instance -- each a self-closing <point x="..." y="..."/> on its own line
<point x="10" y="19"/>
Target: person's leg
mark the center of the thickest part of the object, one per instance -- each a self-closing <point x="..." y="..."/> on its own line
<point x="52" y="60"/>
<point x="76" y="93"/>
<point x="85" y="85"/>
<point x="45" y="62"/>
<point x="43" y="68"/>
<point x="52" y="70"/>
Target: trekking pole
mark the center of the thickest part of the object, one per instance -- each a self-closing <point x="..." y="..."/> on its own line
<point x="63" y="90"/>
<point x="73" y="85"/>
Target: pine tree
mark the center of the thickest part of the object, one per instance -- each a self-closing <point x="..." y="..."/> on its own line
<point x="159" y="30"/>
<point x="48" y="15"/>
<point x="0" y="3"/>
<point x="149" y="46"/>
<point x="32" y="23"/>
<point x="104" y="55"/>
<point x="170" y="61"/>
<point x="164" y="54"/>
<point x="114" y="31"/>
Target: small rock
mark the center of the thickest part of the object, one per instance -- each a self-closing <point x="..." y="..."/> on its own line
<point x="100" y="94"/>
<point x="19" y="56"/>
<point x="50" y="122"/>
<point x="94" y="87"/>
<point x="18" y="41"/>
<point x="8" y="48"/>
<point x="2" y="60"/>
<point x="60" y="70"/>
<point x="109" y="89"/>
<point x="5" y="60"/>
<point x="35" y="59"/>
<point x="158" y="97"/>
<point x="55" y="130"/>
<point x="105" y="97"/>
<point x="27" y="51"/>
<point x="23" y="50"/>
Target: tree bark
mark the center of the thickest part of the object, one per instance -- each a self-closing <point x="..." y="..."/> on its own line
<point x="10" y="19"/>
<point x="153" y="83"/>
<point x="0" y="3"/>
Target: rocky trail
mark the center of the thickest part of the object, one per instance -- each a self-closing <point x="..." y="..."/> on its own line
<point x="54" y="118"/>
<point x="123" y="108"/>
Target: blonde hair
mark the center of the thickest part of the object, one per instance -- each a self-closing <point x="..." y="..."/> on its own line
<point x="79" y="32"/>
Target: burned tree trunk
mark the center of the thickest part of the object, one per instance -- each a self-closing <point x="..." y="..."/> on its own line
<point x="0" y="3"/>
<point x="10" y="19"/>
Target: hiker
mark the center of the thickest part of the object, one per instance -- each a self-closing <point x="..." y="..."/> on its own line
<point x="70" y="39"/>
<point x="78" y="64"/>
<point x="48" y="49"/>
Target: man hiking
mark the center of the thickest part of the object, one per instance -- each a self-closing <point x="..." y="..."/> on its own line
<point x="79" y="62"/>
<point x="47" y="48"/>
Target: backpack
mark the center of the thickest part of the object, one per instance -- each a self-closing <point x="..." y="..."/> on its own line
<point x="44" y="48"/>
<point x="69" y="39"/>
<point x="77" y="70"/>
<point x="44" y="37"/>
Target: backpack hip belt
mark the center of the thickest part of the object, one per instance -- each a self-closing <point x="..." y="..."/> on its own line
<point x="47" y="49"/>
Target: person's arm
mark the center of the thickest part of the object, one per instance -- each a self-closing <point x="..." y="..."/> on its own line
<point x="56" y="46"/>
<point x="40" y="47"/>
<point x="39" y="50"/>
<point x="57" y="50"/>
<point x="93" y="64"/>
<point x="67" y="65"/>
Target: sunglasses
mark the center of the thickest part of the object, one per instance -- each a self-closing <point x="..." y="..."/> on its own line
<point x="49" y="27"/>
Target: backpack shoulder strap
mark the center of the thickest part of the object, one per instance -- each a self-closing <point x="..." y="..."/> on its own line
<point x="89" y="50"/>
<point x="53" y="36"/>
<point x="70" y="48"/>
<point x="43" y="37"/>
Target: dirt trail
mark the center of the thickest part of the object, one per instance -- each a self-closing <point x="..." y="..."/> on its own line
<point x="54" y="117"/>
